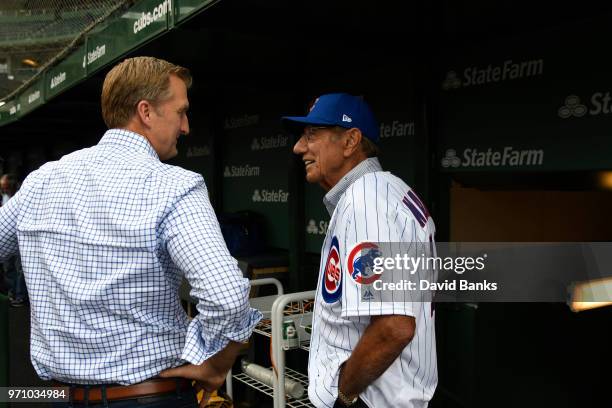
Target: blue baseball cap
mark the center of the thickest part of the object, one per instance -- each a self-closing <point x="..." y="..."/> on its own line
<point x="338" y="109"/>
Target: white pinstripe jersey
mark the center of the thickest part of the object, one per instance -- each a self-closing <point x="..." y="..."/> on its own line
<point x="369" y="205"/>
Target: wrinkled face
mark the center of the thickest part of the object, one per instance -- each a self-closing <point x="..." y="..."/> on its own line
<point x="169" y="120"/>
<point x="323" y="155"/>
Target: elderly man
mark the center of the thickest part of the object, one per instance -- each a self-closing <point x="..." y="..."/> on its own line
<point x="106" y="235"/>
<point x="363" y="353"/>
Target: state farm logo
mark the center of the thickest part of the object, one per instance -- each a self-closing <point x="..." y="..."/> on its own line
<point x="314" y="228"/>
<point x="236" y="122"/>
<point x="572" y="107"/>
<point x="490" y="157"/>
<point x="198" y="151"/>
<point x="94" y="55"/>
<point x="396" y="129"/>
<point x="241" y="171"/>
<point x="597" y="104"/>
<point x="490" y="74"/>
<point x="451" y="159"/>
<point x="270" y="196"/>
<point x="451" y="81"/>
<point x="271" y="142"/>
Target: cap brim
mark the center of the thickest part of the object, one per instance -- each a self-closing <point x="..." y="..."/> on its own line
<point x="296" y="124"/>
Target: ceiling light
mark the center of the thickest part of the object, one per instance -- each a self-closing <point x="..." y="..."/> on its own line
<point x="605" y="180"/>
<point x="582" y="306"/>
<point x="591" y="294"/>
<point x="29" y="62"/>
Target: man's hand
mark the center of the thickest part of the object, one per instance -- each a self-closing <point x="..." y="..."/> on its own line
<point x="208" y="377"/>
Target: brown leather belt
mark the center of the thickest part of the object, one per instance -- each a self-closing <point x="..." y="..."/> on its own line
<point x="147" y="388"/>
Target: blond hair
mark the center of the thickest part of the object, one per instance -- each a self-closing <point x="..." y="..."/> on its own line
<point x="133" y="80"/>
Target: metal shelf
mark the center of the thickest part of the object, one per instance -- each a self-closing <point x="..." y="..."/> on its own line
<point x="263" y="304"/>
<point x="264" y="327"/>
<point x="289" y="373"/>
<point x="300" y="312"/>
<point x="276" y="309"/>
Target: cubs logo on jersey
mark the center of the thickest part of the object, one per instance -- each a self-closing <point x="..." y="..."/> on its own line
<point x="332" y="274"/>
<point x="360" y="263"/>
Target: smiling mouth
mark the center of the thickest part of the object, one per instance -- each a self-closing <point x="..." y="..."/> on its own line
<point x="308" y="163"/>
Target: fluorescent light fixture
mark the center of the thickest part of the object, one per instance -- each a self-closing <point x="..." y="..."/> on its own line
<point x="591" y="294"/>
<point x="605" y="180"/>
<point x="29" y="62"/>
<point x="582" y="306"/>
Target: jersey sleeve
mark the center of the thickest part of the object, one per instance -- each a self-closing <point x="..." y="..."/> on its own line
<point x="379" y="223"/>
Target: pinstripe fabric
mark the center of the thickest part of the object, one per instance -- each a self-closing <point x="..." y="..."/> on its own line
<point x="106" y="234"/>
<point x="366" y="205"/>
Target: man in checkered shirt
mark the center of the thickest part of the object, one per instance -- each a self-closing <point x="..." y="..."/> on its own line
<point x="106" y="235"/>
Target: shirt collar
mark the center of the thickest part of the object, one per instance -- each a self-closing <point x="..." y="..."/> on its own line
<point x="129" y="139"/>
<point x="333" y="196"/>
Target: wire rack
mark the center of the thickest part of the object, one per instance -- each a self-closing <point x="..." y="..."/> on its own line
<point x="298" y="309"/>
<point x="264" y="327"/>
<point x="289" y="373"/>
<point x="295" y="310"/>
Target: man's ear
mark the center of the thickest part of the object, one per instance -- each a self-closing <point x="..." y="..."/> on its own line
<point x="143" y="111"/>
<point x="352" y="141"/>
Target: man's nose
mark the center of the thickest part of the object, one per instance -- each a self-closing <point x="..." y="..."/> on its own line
<point x="300" y="146"/>
<point x="185" y="126"/>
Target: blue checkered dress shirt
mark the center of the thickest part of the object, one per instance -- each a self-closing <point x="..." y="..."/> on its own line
<point x="105" y="235"/>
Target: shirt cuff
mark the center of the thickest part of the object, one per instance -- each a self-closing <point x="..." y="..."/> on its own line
<point x="201" y="344"/>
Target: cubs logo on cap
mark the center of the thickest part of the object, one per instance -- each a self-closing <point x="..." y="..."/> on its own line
<point x="361" y="263"/>
<point x="332" y="274"/>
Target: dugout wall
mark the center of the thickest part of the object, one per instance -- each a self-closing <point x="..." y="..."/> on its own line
<point x="461" y="98"/>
